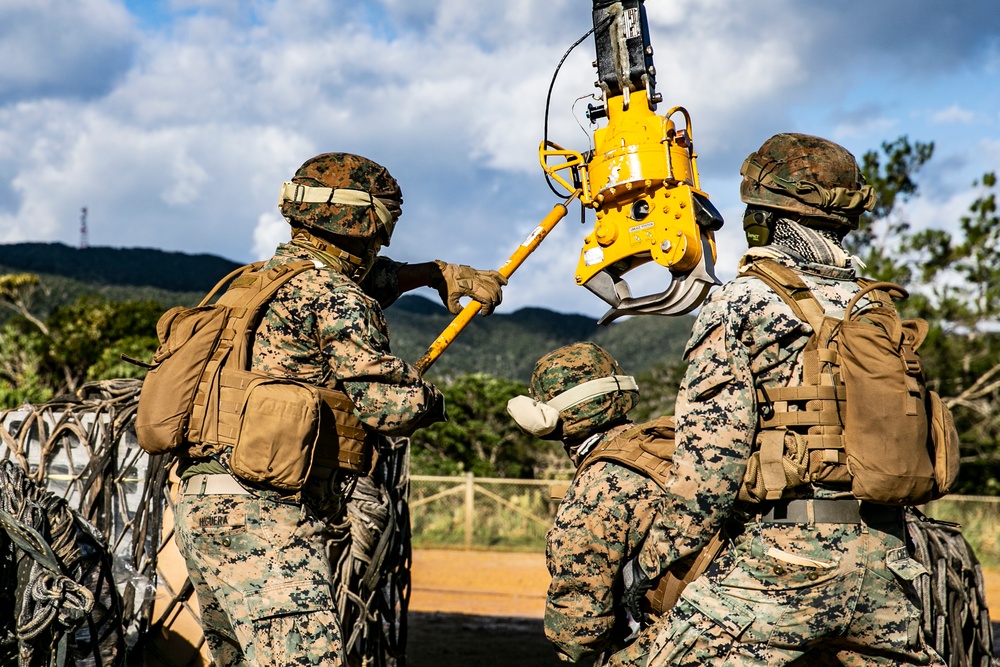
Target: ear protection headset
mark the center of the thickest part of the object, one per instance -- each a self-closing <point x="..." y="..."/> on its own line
<point x="541" y="418"/>
<point x="758" y="225"/>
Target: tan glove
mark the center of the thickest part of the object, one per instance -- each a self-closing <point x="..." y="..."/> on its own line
<point x="457" y="281"/>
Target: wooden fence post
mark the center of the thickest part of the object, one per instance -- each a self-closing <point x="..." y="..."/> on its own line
<point x="470" y="508"/>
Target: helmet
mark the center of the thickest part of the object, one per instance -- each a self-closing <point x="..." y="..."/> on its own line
<point x="803" y="174"/>
<point x="570" y="366"/>
<point x="344" y="195"/>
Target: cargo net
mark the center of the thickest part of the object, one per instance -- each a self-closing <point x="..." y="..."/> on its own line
<point x="83" y="452"/>
<point x="954" y="616"/>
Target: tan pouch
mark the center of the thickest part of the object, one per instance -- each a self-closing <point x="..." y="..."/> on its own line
<point x="188" y="337"/>
<point x="886" y="423"/>
<point x="278" y="433"/>
<point x="944" y="435"/>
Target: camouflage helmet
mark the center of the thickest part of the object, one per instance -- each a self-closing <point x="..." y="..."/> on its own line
<point x="345" y="195"/>
<point x="570" y="366"/>
<point x="803" y="174"/>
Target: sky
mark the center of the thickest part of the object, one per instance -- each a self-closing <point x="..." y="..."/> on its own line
<point x="174" y="122"/>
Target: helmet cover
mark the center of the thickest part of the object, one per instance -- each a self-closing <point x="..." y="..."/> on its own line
<point x="810" y="176"/>
<point x="570" y="366"/>
<point x="350" y="172"/>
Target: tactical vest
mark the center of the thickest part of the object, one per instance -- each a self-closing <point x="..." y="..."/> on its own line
<point x="200" y="396"/>
<point x="649" y="449"/>
<point x="863" y="415"/>
<point x="646" y="448"/>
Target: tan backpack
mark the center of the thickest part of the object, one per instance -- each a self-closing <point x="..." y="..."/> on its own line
<point x="199" y="396"/>
<point x="863" y="414"/>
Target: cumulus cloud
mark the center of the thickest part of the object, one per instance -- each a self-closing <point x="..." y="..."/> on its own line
<point x="63" y="48"/>
<point x="179" y="136"/>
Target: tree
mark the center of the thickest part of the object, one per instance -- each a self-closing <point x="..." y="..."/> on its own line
<point x="87" y="335"/>
<point x="658" y="389"/>
<point x="16" y="292"/>
<point x="479" y="436"/>
<point x="21" y="360"/>
<point x="879" y="240"/>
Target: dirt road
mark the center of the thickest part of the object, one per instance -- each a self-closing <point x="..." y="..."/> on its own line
<point x="485" y="608"/>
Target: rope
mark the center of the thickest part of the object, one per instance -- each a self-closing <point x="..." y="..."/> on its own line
<point x="54" y="586"/>
<point x="84" y="448"/>
<point x="955" y="617"/>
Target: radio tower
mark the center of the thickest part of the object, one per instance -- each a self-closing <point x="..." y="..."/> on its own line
<point x="83" y="227"/>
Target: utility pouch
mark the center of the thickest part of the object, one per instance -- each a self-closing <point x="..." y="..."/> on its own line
<point x="278" y="433"/>
<point x="944" y="437"/>
<point x="168" y="392"/>
<point x="886" y="420"/>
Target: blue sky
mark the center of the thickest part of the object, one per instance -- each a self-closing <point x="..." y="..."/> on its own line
<point x="176" y="121"/>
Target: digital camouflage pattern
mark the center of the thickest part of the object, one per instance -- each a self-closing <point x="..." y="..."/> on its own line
<point x="323" y="329"/>
<point x="344" y="170"/>
<point x="822" y="594"/>
<point x="601" y="523"/>
<point x="807" y="175"/>
<point x="778" y="590"/>
<point x="575" y="364"/>
<point x="260" y="567"/>
<point x="261" y="571"/>
<point x="382" y="281"/>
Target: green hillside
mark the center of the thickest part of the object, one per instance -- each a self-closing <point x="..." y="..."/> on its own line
<point x="507" y="345"/>
<point x="504" y="345"/>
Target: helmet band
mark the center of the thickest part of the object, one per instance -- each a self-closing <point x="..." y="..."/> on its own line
<point x="307" y="194"/>
<point x="839" y="200"/>
<point x="592" y="389"/>
<point x="541" y="418"/>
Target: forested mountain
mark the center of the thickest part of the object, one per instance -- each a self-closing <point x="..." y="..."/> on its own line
<point x="503" y="345"/>
<point x="134" y="267"/>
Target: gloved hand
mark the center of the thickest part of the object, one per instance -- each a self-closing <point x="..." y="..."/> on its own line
<point x="457" y="281"/>
<point x="636" y="584"/>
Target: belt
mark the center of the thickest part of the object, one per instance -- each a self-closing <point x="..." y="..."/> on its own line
<point x="212" y="485"/>
<point x="814" y="510"/>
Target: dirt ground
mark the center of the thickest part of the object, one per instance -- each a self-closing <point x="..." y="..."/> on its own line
<point x="485" y="609"/>
<point x="467" y="609"/>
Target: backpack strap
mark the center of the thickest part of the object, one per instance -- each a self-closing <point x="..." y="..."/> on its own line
<point x="263" y="287"/>
<point x="790" y="287"/>
<point x="245" y="298"/>
<point x="246" y="268"/>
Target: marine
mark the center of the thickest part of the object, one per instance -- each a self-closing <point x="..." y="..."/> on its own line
<point x="808" y="572"/>
<point x="581" y="396"/>
<point x="262" y="559"/>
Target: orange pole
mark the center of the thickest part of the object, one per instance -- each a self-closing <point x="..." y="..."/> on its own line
<point x="527" y="247"/>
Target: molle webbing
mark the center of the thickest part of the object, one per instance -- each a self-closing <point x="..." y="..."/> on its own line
<point x="217" y="412"/>
<point x="647" y="448"/>
<point x="800" y="437"/>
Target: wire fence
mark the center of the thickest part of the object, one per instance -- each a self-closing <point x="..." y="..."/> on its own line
<point x="481" y="512"/>
<point x="511" y="514"/>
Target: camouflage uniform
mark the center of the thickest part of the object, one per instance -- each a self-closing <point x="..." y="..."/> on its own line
<point x="836" y="593"/>
<point x="601" y="522"/>
<point x="261" y="563"/>
<point x="604" y="516"/>
<point x="842" y="590"/>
